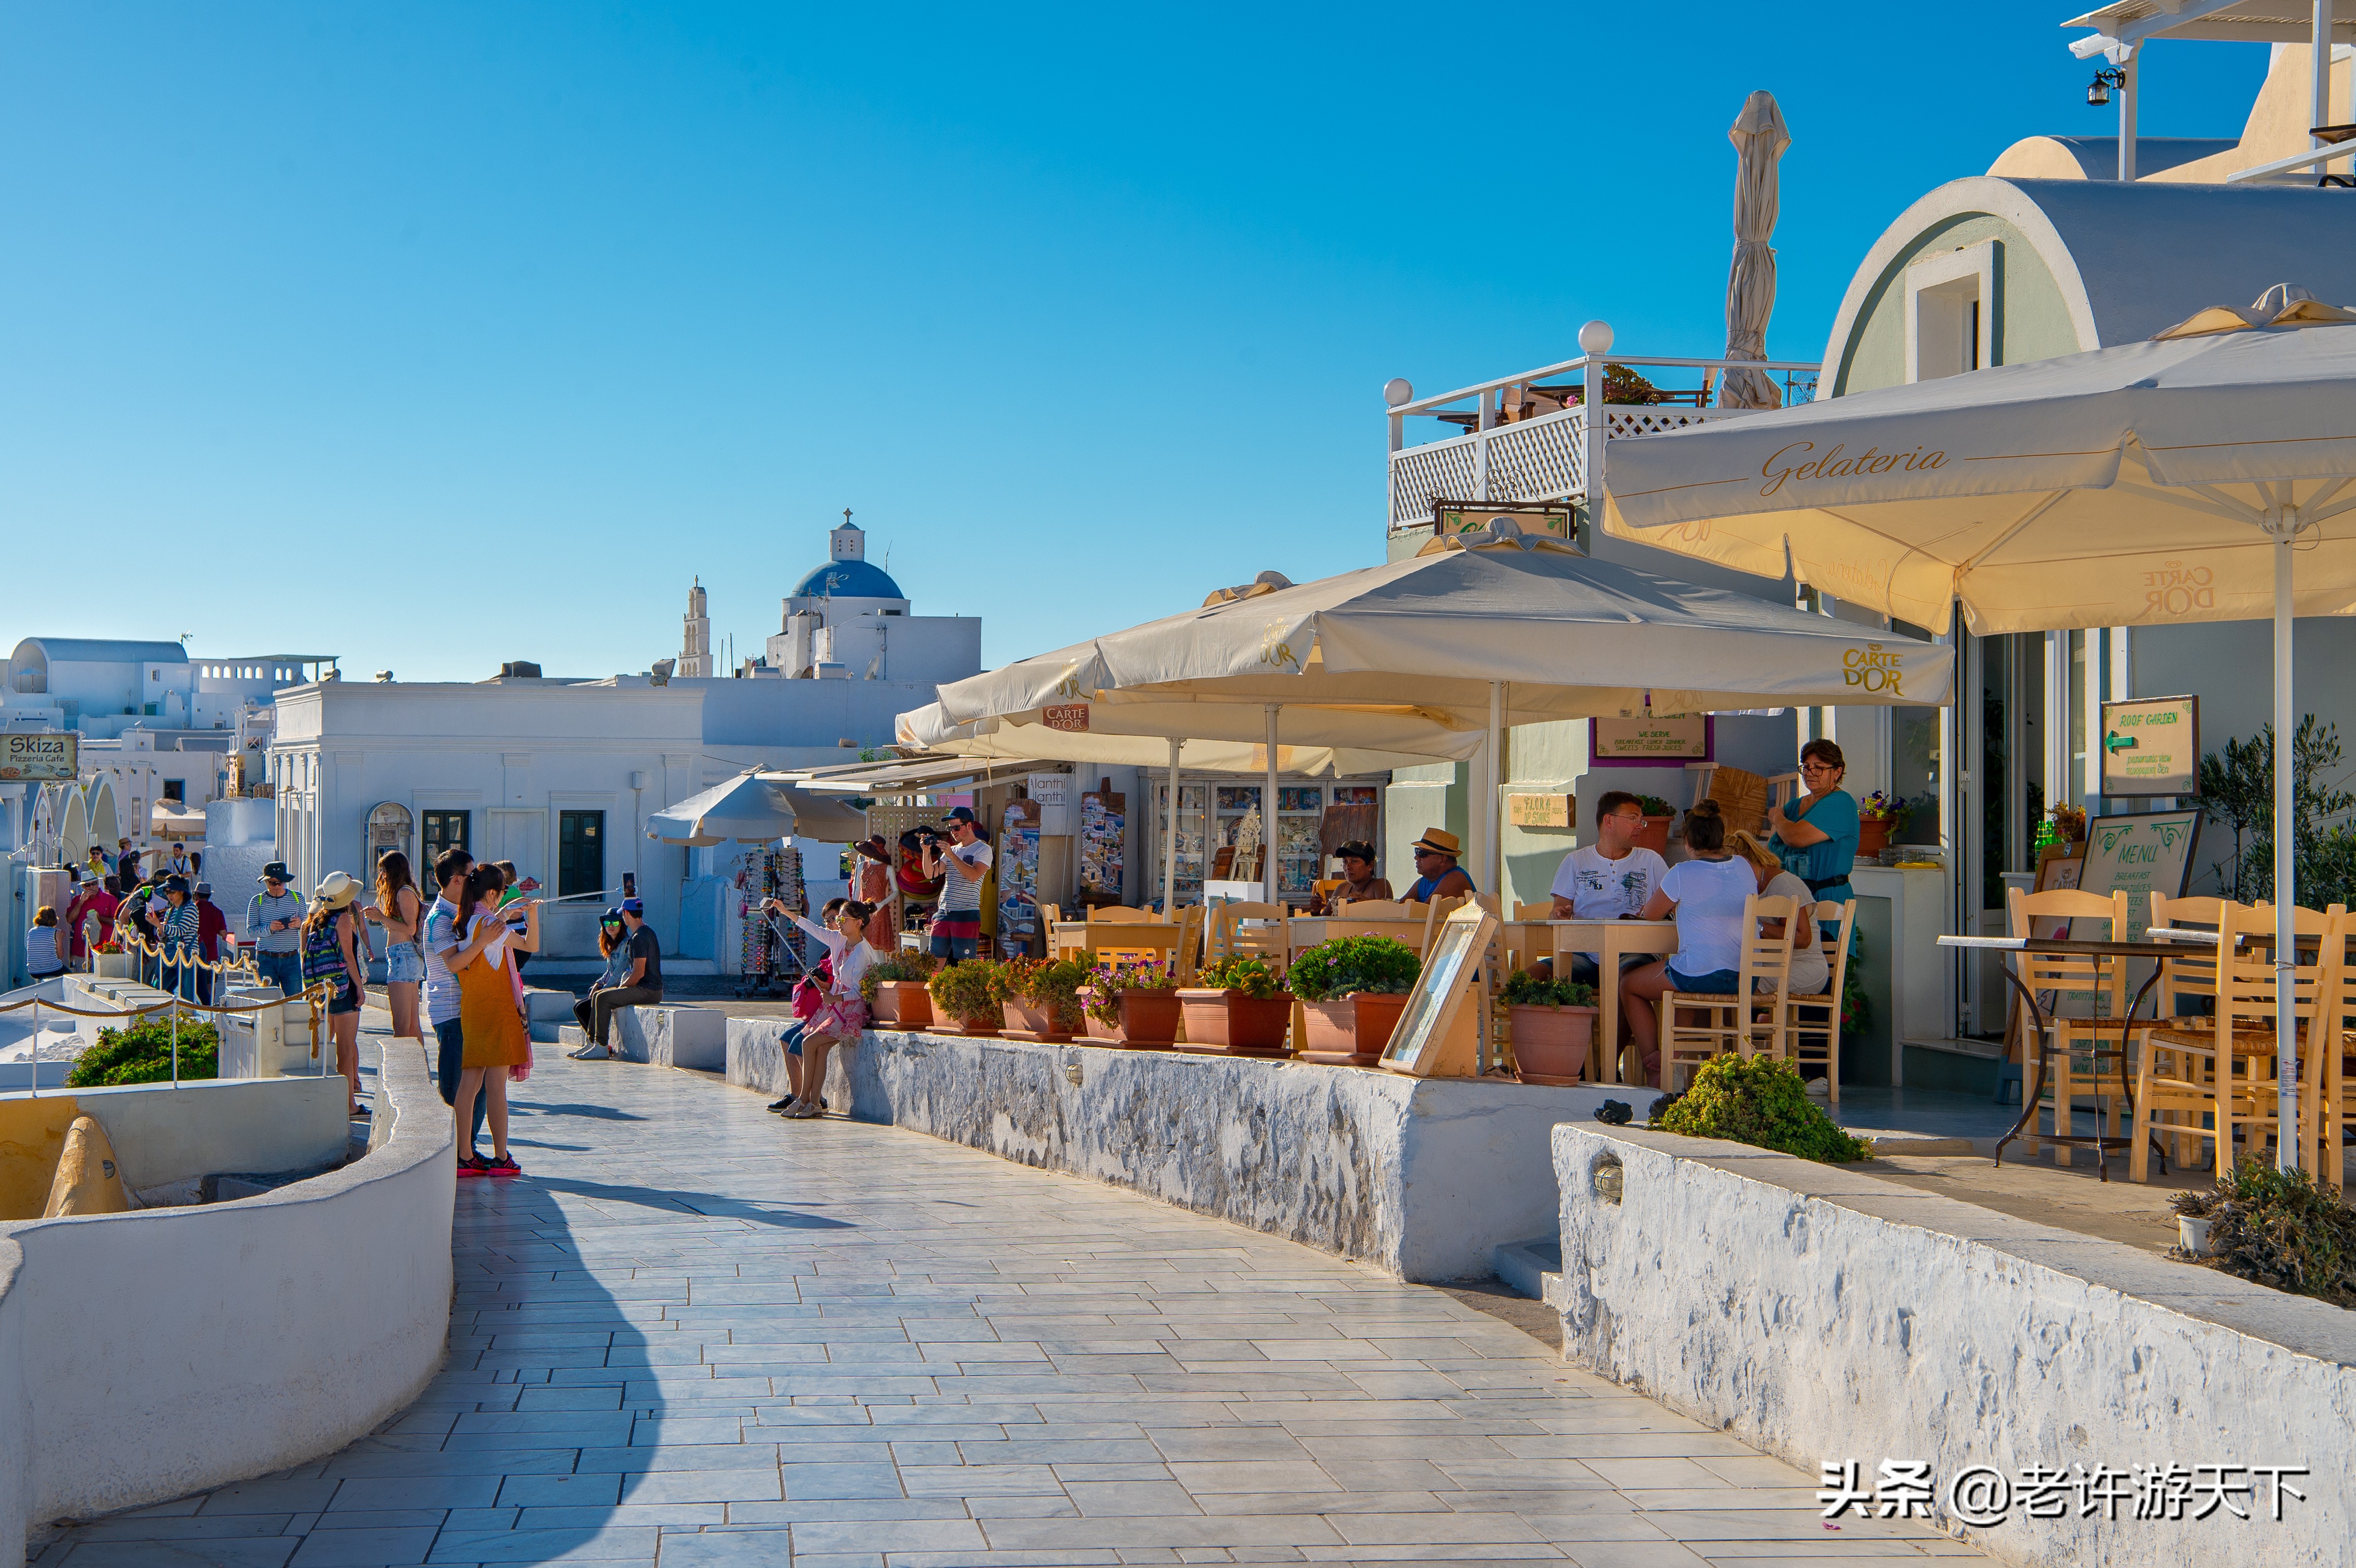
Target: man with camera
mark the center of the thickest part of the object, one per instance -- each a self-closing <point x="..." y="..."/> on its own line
<point x="965" y="859"/>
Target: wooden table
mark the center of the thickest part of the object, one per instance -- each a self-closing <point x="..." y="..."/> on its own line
<point x="1613" y="940"/>
<point x="1158" y="937"/>
<point x="1309" y="929"/>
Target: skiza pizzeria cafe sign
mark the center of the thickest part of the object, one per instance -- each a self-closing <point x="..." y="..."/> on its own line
<point x="39" y="756"/>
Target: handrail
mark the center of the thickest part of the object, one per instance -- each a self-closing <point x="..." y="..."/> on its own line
<point x="1428" y="405"/>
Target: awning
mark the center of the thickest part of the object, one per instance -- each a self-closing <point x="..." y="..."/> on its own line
<point x="914" y="776"/>
<point x="755" y="807"/>
<point x="171" y="820"/>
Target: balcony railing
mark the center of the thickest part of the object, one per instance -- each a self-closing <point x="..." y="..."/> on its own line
<point x="1541" y="435"/>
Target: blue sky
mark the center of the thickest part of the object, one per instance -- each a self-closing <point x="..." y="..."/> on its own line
<point x="436" y="336"/>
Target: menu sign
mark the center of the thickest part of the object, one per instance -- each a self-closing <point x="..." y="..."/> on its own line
<point x="2139" y="855"/>
<point x="2152" y="746"/>
<point x="39" y="756"/>
<point x="1649" y="741"/>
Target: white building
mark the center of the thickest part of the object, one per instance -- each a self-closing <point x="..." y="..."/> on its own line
<point x="99" y="688"/>
<point x="847" y="620"/>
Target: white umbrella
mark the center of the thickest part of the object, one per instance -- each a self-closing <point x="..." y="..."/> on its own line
<point x="1437" y="654"/>
<point x="2140" y="484"/>
<point x="1759" y="139"/>
<point x="755" y="808"/>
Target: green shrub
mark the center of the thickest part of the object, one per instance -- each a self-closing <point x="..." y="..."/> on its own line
<point x="969" y="992"/>
<point x="1252" y="977"/>
<point x="143" y="1054"/>
<point x="1107" y="980"/>
<point x="1762" y="1102"/>
<point x="1051" y="984"/>
<point x="2280" y="1229"/>
<point x="898" y="967"/>
<point x="1381" y="966"/>
<point x="1524" y="989"/>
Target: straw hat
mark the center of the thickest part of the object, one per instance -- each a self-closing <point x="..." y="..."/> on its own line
<point x="1439" y="841"/>
<point x="339" y="889"/>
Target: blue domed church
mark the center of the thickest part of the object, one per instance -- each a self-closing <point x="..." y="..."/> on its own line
<point x="847" y="620"/>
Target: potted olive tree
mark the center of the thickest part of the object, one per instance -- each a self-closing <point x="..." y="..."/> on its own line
<point x="1238" y="1007"/>
<point x="969" y="993"/>
<point x="1132" y="1004"/>
<point x="1553" y="1025"/>
<point x="1659" y="817"/>
<point x="1040" y="998"/>
<point x="895" y="989"/>
<point x="1351" y="990"/>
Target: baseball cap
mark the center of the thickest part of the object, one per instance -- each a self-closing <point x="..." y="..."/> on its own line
<point x="962" y="814"/>
<point x="634" y="906"/>
<point x="612" y="914"/>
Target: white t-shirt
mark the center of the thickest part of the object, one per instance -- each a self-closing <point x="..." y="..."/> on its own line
<point x="441" y="986"/>
<point x="1600" y="888"/>
<point x="959" y="896"/>
<point x="1811" y="969"/>
<point x="1710" y="896"/>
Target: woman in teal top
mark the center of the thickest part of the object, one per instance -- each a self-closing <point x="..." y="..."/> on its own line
<point x="1815" y="836"/>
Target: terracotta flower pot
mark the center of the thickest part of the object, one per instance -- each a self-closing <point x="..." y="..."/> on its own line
<point x="1037" y="1021"/>
<point x="1655" y="836"/>
<point x="903" y="1002"/>
<point x="1358" y="1025"/>
<point x="1148" y="1019"/>
<point x="1231" y="1022"/>
<point x="1551" y="1044"/>
<point x="1872" y="836"/>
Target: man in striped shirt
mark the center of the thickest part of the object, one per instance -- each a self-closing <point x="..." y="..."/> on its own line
<point x="957" y="923"/>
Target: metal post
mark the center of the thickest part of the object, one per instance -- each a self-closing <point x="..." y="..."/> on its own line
<point x="175" y="1037"/>
<point x="1170" y="845"/>
<point x="2285" y="525"/>
<point x="1268" y="814"/>
<point x="2319" y="75"/>
<point x="2128" y="112"/>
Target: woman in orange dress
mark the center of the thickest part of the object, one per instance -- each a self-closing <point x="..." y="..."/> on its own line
<point x="490" y="1023"/>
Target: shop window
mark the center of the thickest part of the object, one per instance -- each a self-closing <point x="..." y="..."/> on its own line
<point x="580" y="853"/>
<point x="444" y="831"/>
<point x="1951" y="313"/>
<point x="176" y="789"/>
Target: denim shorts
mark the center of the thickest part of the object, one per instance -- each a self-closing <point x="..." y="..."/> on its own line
<point x="1717" y="983"/>
<point x="347" y="999"/>
<point x="404" y="964"/>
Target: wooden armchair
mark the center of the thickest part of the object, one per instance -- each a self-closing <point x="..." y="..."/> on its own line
<point x="1751" y="1020"/>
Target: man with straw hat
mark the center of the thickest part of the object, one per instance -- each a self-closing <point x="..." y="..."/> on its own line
<point x="1437" y="874"/>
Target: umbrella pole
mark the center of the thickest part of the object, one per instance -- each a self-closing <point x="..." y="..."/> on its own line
<point x="1170" y="842"/>
<point x="1493" y="866"/>
<point x="2286" y="1138"/>
<point x="1268" y="816"/>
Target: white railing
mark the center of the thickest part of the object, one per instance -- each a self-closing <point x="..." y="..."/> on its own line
<point x="1525" y="445"/>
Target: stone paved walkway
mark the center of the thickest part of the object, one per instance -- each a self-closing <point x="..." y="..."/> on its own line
<point x="695" y="1336"/>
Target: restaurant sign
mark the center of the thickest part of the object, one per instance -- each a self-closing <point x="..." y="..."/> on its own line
<point x="1650" y="740"/>
<point x="1553" y="810"/>
<point x="1452" y="518"/>
<point x="2152" y="746"/>
<point x="1072" y="718"/>
<point x="39" y="756"/>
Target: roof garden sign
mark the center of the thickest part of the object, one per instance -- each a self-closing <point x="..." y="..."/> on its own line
<point x="2151" y="746"/>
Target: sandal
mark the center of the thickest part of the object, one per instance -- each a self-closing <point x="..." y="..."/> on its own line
<point x="808" y="1110"/>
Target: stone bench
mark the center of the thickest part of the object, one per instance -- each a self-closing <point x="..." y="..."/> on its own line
<point x="663" y="1036"/>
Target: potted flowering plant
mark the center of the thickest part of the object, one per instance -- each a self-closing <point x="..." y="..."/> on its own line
<point x="1040" y="997"/>
<point x="1133" y="1003"/>
<point x="1351" y="990"/>
<point x="1878" y="815"/>
<point x="895" y="989"/>
<point x="1553" y="1026"/>
<point x="969" y="993"/>
<point x="1659" y="816"/>
<point x="1237" y="1006"/>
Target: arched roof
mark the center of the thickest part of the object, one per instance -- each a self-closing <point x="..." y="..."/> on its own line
<point x="2132" y="259"/>
<point x="99" y="650"/>
<point x="848" y="579"/>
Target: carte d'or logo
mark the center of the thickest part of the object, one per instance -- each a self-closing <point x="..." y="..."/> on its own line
<point x="1276" y="649"/>
<point x="1797" y="462"/>
<point x="2174" y="589"/>
<point x="1873" y="668"/>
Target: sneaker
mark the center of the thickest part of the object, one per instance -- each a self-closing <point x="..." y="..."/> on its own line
<point x="472" y="1165"/>
<point x="588" y="1054"/>
<point x="501" y="1165"/>
<point x="785" y="1105"/>
<point x="808" y="1110"/>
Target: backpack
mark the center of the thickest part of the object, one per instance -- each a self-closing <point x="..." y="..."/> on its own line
<point x="322" y="952"/>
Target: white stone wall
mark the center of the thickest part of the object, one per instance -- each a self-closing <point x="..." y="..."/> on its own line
<point x="1823" y="1314"/>
<point x="148" y="1355"/>
<point x="1422" y="1178"/>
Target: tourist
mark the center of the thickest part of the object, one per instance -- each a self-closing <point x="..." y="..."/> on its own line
<point x="100" y="865"/>
<point x="1612" y="879"/>
<point x="134" y="930"/>
<point x="441" y="994"/>
<point x="643" y="986"/>
<point x="613" y="948"/>
<point x="274" y="920"/>
<point x="491" y="1023"/>
<point x="126" y="863"/>
<point x="88" y="914"/>
<point x="956" y="922"/>
<point x="518" y="884"/>
<point x="871" y="883"/>
<point x="212" y="926"/>
<point x="399" y="908"/>
<point x="1437" y="874"/>
<point x="42" y="959"/>
<point x="843" y="1014"/>
<point x="177" y="865"/>
<point x="330" y="953"/>
<point x="177" y="927"/>
<point x="1359" y="882"/>
<point x="810" y="997"/>
<point x="1815" y="835"/>
<point x="1810" y="972"/>
<point x="1706" y="895"/>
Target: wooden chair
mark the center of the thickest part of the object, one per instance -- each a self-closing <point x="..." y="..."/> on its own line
<point x="1049" y="914"/>
<point x="1116" y="914"/>
<point x="1270" y="941"/>
<point x="2328" y="1056"/>
<point x="2088" y="997"/>
<point x="2216" y="1076"/>
<point x="1749" y="1021"/>
<point x="1190" y="943"/>
<point x="1436" y="910"/>
<point x="1381" y="909"/>
<point x="1812" y="1024"/>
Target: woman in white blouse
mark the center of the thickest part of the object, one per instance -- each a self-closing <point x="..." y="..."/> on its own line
<point x="844" y="1012"/>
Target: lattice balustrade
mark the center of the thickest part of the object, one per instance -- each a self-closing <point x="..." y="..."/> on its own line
<point x="1623" y="419"/>
<point x="1538" y="460"/>
<point x="1444" y="471"/>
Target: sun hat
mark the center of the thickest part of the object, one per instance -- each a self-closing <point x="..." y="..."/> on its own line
<point x="176" y="885"/>
<point x="275" y="871"/>
<point x="340" y="888"/>
<point x="1439" y="841"/>
<point x="875" y="848"/>
<point x="204" y="889"/>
